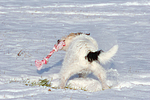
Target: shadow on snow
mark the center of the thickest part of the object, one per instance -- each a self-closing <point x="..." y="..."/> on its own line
<point x="59" y="63"/>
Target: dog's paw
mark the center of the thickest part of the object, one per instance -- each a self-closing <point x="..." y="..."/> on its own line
<point x="61" y="86"/>
<point x="105" y="87"/>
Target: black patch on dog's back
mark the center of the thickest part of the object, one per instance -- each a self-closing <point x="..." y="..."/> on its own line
<point x="92" y="56"/>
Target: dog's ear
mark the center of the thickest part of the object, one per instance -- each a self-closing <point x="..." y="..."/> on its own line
<point x="79" y="33"/>
<point x="87" y="33"/>
<point x="72" y="34"/>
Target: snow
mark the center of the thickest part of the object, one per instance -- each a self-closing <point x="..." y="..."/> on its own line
<point x="29" y="29"/>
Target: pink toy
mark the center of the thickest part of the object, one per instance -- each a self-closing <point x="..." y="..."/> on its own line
<point x="39" y="64"/>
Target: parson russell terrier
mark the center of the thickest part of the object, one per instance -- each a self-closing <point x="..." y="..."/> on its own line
<point x="83" y="57"/>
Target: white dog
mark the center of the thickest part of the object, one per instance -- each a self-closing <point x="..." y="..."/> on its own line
<point x="83" y="57"/>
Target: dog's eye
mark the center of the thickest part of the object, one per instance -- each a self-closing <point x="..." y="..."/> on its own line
<point x="58" y="41"/>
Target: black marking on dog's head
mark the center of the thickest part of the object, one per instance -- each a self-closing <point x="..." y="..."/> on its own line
<point x="92" y="56"/>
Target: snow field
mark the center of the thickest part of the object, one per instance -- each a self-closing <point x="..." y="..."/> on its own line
<point x="30" y="28"/>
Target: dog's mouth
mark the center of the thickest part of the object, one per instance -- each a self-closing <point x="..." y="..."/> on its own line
<point x="58" y="41"/>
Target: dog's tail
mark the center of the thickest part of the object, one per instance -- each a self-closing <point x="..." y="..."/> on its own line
<point x="102" y="56"/>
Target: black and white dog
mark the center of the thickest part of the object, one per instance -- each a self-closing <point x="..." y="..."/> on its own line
<point x="83" y="57"/>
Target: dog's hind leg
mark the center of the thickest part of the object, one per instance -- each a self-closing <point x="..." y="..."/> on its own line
<point x="100" y="73"/>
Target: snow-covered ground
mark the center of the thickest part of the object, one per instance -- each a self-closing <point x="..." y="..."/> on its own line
<point x="30" y="28"/>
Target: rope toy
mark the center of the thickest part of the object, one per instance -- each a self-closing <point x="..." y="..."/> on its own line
<point x="57" y="47"/>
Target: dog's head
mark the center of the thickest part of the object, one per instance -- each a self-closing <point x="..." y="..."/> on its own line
<point x="69" y="38"/>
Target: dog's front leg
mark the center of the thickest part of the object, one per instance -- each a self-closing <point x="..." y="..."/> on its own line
<point x="65" y="74"/>
<point x="63" y="82"/>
